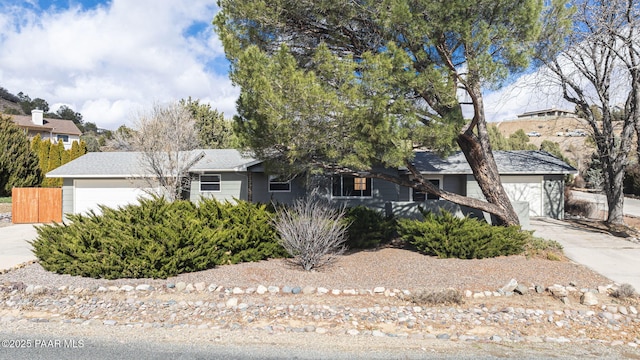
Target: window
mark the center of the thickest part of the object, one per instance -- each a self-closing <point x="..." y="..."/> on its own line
<point x="209" y="183"/>
<point x="345" y="186"/>
<point x="418" y="195"/>
<point x="64" y="138"/>
<point x="279" y="184"/>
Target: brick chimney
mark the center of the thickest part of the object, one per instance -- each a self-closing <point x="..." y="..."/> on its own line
<point x="37" y="117"/>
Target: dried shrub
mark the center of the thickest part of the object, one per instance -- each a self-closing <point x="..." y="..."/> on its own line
<point x="311" y="231"/>
<point x="624" y="291"/>
<point x="443" y="297"/>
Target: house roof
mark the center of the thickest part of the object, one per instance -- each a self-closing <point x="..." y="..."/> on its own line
<point x="57" y="126"/>
<point x="223" y="160"/>
<point x="128" y="164"/>
<point x="517" y="162"/>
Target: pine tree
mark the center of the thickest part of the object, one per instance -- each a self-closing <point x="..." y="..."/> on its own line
<point x="18" y="164"/>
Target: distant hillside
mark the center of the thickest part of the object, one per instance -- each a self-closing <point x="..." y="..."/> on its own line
<point x="6" y="104"/>
<point x="575" y="148"/>
<point x="9" y="101"/>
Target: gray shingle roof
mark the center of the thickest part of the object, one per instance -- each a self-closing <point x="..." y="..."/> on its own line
<point x="127" y="164"/>
<point x="509" y="162"/>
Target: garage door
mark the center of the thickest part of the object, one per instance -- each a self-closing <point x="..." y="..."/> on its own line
<point x="525" y="188"/>
<point x="88" y="194"/>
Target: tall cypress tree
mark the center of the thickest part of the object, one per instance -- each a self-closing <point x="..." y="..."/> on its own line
<point x="75" y="151"/>
<point x="54" y="162"/>
<point x="18" y="164"/>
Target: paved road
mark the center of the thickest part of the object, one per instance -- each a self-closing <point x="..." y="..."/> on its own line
<point x="631" y="206"/>
<point x="14" y="249"/>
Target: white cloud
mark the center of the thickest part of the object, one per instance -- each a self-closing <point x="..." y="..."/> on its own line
<point x="530" y="92"/>
<point x="109" y="61"/>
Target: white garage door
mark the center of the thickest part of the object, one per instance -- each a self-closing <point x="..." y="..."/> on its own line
<point x="525" y="188"/>
<point x="88" y="194"/>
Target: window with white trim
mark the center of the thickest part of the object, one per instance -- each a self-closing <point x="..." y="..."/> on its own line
<point x="351" y="186"/>
<point x="279" y="184"/>
<point x="209" y="183"/>
<point x="420" y="196"/>
<point x="64" y="138"/>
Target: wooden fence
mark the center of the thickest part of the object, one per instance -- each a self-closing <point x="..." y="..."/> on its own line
<point x="36" y="205"/>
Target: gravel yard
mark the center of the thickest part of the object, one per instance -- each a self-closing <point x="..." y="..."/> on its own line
<point x="387" y="267"/>
<point x="363" y="298"/>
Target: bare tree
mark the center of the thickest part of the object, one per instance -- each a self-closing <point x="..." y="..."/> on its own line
<point x="120" y="140"/>
<point x="599" y="72"/>
<point x="165" y="138"/>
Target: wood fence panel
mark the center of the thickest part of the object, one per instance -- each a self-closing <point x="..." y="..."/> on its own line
<point x="50" y="205"/>
<point x="36" y="205"/>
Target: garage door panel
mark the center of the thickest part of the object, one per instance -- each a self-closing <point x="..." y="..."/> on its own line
<point x="88" y="194"/>
<point x="527" y="189"/>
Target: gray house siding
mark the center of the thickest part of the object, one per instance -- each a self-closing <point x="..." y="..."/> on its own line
<point x="383" y="192"/>
<point x="67" y="196"/>
<point x="553" y="196"/>
<point x="232" y="186"/>
<point x="260" y="190"/>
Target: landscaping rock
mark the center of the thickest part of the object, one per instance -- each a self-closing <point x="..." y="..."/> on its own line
<point x="510" y="286"/>
<point x="589" y="299"/>
<point x="521" y="289"/>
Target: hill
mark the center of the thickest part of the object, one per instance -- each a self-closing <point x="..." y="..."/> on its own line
<point x="576" y="148"/>
<point x="6" y="104"/>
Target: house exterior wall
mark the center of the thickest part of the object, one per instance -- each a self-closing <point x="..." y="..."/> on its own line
<point x="233" y="185"/>
<point x="553" y="196"/>
<point x="67" y="144"/>
<point x="260" y="190"/>
<point x="67" y="196"/>
<point x="53" y="137"/>
<point x="383" y="193"/>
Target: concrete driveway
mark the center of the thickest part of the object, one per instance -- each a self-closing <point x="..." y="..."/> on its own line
<point x="615" y="258"/>
<point x="14" y="249"/>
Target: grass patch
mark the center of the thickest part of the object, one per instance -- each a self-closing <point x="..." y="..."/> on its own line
<point x="5" y="200"/>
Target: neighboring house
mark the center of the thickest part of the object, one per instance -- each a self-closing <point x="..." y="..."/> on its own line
<point x="52" y="129"/>
<point x="534" y="181"/>
<point x="547" y="113"/>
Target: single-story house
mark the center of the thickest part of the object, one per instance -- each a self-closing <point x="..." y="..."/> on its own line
<point x="534" y="181"/>
<point x="51" y="129"/>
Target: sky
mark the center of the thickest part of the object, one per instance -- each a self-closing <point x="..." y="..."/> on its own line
<point x="112" y="59"/>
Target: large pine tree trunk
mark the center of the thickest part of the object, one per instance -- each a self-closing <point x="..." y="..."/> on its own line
<point x="477" y="151"/>
<point x="486" y="174"/>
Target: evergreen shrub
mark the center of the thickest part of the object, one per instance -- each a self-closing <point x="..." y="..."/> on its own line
<point x="368" y="228"/>
<point x="448" y="236"/>
<point x="157" y="239"/>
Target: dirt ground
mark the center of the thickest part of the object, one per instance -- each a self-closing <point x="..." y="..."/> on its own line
<point x="5" y="208"/>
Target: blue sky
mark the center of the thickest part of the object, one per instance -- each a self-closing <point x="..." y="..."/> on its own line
<point x="110" y="60"/>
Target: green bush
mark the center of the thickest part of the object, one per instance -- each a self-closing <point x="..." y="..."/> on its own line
<point x="157" y="239"/>
<point x="447" y="236"/>
<point x="368" y="228"/>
